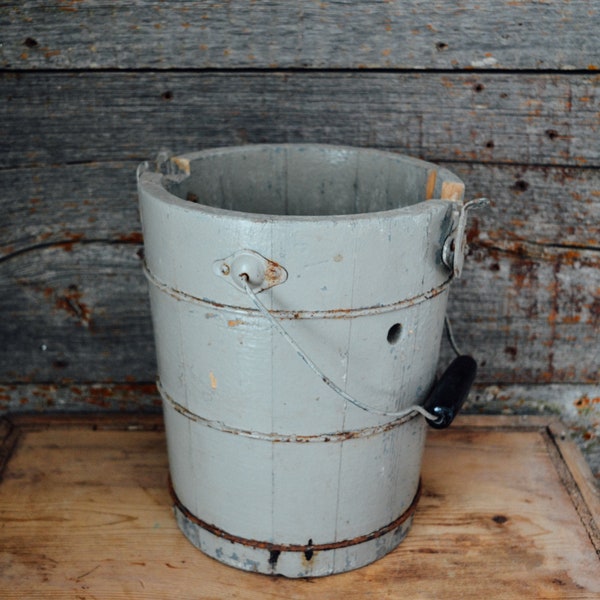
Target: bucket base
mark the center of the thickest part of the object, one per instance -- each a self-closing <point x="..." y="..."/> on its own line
<point x="289" y="560"/>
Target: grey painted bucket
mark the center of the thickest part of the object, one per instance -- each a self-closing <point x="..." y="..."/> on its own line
<point x="350" y="253"/>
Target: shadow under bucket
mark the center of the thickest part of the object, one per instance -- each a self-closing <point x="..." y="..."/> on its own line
<point x="298" y="296"/>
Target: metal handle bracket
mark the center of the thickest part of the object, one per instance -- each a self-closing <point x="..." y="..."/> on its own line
<point x="455" y="246"/>
<point x="249" y="266"/>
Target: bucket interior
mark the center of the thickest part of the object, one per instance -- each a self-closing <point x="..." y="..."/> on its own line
<point x="306" y="180"/>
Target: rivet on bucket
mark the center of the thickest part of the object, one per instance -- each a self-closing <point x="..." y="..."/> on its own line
<point x="264" y="261"/>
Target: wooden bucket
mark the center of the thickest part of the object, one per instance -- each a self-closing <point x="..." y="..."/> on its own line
<point x="348" y="251"/>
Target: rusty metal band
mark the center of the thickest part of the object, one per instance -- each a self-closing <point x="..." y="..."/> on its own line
<point x="338" y="313"/>
<point x="271" y="547"/>
<point x="338" y="436"/>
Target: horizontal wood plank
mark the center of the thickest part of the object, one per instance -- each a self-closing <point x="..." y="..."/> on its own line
<point x="86" y="513"/>
<point x="64" y="204"/>
<point x="336" y="34"/>
<point x="51" y="118"/>
<point x="18" y="399"/>
<point x="555" y="207"/>
<point x="540" y="206"/>
<point x="76" y="311"/>
<point x="529" y="316"/>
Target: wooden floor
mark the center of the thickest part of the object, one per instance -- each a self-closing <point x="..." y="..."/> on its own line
<point x="509" y="510"/>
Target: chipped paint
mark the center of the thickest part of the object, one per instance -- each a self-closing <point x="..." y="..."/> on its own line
<point x="488" y="61"/>
<point x="182" y="164"/>
<point x="213" y="380"/>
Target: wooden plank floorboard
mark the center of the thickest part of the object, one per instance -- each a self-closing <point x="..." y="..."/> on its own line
<point x="85" y="513"/>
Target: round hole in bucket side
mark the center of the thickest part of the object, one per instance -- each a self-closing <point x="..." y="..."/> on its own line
<point x="394" y="333"/>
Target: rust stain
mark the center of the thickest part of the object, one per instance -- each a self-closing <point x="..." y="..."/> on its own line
<point x="69" y="5"/>
<point x="594" y="312"/>
<point x="213" y="380"/>
<point x="524" y="274"/>
<point x="71" y="302"/>
<point x="586" y="402"/>
<point x="570" y="257"/>
<point x="234" y="322"/>
<point x="474" y="231"/>
<point x="309" y="550"/>
<point x="135" y="237"/>
<point x="73" y="237"/>
<point x="274" y="273"/>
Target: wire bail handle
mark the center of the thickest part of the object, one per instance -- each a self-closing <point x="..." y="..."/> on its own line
<point x="247" y="269"/>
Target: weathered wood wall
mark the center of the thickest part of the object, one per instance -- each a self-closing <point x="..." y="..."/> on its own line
<point x="503" y="93"/>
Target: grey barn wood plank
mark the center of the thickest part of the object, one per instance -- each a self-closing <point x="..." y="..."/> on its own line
<point x="540" y="119"/>
<point x="529" y="318"/>
<point x="236" y="34"/>
<point x="552" y="206"/>
<point x="98" y="201"/>
<point x="76" y="311"/>
<point x="55" y="204"/>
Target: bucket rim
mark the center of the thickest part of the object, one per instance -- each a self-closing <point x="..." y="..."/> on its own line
<point x="153" y="181"/>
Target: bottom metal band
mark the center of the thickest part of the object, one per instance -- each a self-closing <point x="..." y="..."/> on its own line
<point x="293" y="560"/>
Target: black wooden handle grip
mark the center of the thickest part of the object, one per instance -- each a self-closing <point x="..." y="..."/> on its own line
<point x="451" y="390"/>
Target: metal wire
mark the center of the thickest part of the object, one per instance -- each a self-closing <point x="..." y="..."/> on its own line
<point x="450" y="336"/>
<point x="338" y="390"/>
